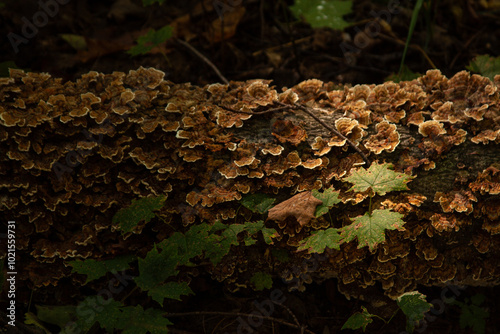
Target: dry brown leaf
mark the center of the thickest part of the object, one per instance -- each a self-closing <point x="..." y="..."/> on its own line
<point x="301" y="206"/>
<point x="224" y="27"/>
<point x="102" y="47"/>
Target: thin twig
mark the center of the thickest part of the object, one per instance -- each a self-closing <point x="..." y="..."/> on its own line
<point x="413" y="46"/>
<point x="333" y="130"/>
<point x="255" y="112"/>
<point x="309" y="111"/>
<point x="289" y="312"/>
<point x="282" y="46"/>
<point x="465" y="47"/>
<point x="238" y="314"/>
<point x="205" y="59"/>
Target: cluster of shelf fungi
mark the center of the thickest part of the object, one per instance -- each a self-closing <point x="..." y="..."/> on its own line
<point x="73" y="153"/>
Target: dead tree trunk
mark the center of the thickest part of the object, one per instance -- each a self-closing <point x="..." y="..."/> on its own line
<point x="74" y="153"/>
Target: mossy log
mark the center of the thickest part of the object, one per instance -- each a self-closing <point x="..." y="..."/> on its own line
<point x="73" y="153"/>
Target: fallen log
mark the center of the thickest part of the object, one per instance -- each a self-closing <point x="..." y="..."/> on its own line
<point x="73" y="153"/>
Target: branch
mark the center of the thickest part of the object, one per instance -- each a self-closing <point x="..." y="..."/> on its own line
<point x="205" y="59"/>
<point x="331" y="129"/>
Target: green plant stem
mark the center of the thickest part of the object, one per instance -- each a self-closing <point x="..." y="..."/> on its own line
<point x="393" y="315"/>
<point x="413" y="22"/>
<point x="379" y="317"/>
<point x="130" y="293"/>
<point x="31" y="296"/>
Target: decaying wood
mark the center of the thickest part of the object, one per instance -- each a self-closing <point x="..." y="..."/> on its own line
<point x="74" y="153"/>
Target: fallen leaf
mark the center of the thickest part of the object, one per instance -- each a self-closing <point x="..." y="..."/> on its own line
<point x="122" y="9"/>
<point x="301" y="206"/>
<point x="260" y="203"/>
<point x="224" y="27"/>
<point x="485" y="65"/>
<point x="77" y="42"/>
<point x="101" y="47"/>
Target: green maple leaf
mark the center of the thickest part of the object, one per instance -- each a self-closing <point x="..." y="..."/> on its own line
<point x="96" y="269"/>
<point x="260" y="203"/>
<point x="281" y="255"/>
<point x="56" y="315"/>
<point x="405" y="74"/>
<point x="320" y="13"/>
<point x="370" y="229"/>
<point x="485" y="65"/>
<point x="191" y="244"/>
<point x="219" y="246"/>
<point x="380" y="178"/>
<point x="214" y="241"/>
<point x="330" y="197"/>
<point x="254" y="227"/>
<point x="269" y="234"/>
<point x="222" y="244"/>
<point x="414" y="306"/>
<point x="261" y="281"/>
<point x="131" y="319"/>
<point x="152" y="38"/>
<point x="31" y="319"/>
<point x="319" y="240"/>
<point x="141" y="209"/>
<point x="136" y="320"/>
<point x="359" y="320"/>
<point x="171" y="290"/>
<point x="472" y="314"/>
<point x="157" y="266"/>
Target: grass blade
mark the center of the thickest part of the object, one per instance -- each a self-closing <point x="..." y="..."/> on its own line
<point x="413" y="23"/>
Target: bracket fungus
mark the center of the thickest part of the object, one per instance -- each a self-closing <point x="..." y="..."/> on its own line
<point x="387" y="138"/>
<point x="76" y="152"/>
